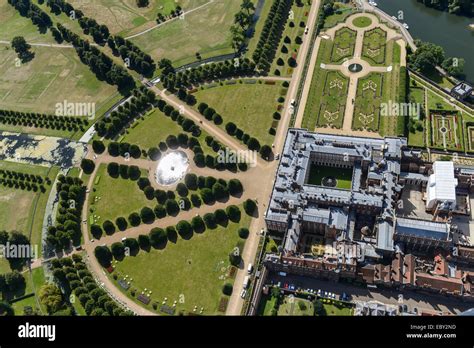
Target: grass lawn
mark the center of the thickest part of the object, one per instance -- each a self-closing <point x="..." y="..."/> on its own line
<point x="53" y="76"/>
<point x="435" y="102"/>
<point x="24" y="210"/>
<point x="362" y="22"/>
<point x="342" y="175"/>
<point x="124" y="17"/>
<point x="154" y="127"/>
<point x="12" y="24"/>
<point x="291" y="306"/>
<point x="111" y="191"/>
<point x="34" y="281"/>
<point x="249" y="106"/>
<point x="191" y="272"/>
<point x="266" y="304"/>
<point x="206" y="31"/>
<point x="294" y="28"/>
<point x="345" y="10"/>
<point x="332" y="310"/>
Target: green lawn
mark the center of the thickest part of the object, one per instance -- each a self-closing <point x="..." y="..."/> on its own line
<point x="206" y="31"/>
<point x="154" y="127"/>
<point x="345" y="10"/>
<point x="124" y="17"/>
<point x="24" y="210"/>
<point x="436" y="102"/>
<point x="362" y="22"/>
<point x="294" y="28"/>
<point x="266" y="304"/>
<point x="34" y="281"/>
<point x="249" y="106"/>
<point x="191" y="272"/>
<point x="332" y="310"/>
<point x="110" y="191"/>
<point x="342" y="175"/>
<point x="291" y="306"/>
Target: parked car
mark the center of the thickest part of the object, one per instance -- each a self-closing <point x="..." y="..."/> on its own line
<point x="243" y="293"/>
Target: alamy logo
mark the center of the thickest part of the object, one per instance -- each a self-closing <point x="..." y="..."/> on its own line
<point x="400" y="109"/>
<point x="37" y="331"/>
<point x="75" y="109"/>
<point x="22" y="251"/>
<point x="242" y="156"/>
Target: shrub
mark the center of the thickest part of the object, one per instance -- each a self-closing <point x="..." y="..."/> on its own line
<point x="87" y="166"/>
<point x="121" y="223"/>
<point x="157" y="237"/>
<point x="210" y="220"/>
<point x="250" y="206"/>
<point x="147" y="215"/>
<point x="108" y="227"/>
<point x="134" y="219"/>
<point x="233" y="212"/>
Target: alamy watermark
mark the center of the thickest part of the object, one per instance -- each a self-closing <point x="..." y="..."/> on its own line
<point x="67" y="108"/>
<point x="400" y="109"/>
<point x="241" y="156"/>
<point x="18" y="251"/>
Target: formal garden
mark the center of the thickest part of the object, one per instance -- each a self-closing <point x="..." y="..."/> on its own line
<point x="374" y="47"/>
<point x="344" y="45"/>
<point x="367" y="103"/>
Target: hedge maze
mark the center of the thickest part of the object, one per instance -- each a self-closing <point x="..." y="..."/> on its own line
<point x="344" y="45"/>
<point x="367" y="103"/>
<point x="333" y="100"/>
<point x="374" y="48"/>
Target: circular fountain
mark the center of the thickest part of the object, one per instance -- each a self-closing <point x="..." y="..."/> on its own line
<point x="355" y="68"/>
<point x="171" y="168"/>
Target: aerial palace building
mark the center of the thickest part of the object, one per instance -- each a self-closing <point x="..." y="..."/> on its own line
<point x="343" y="205"/>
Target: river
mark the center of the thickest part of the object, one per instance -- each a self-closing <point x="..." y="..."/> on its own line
<point x="442" y="28"/>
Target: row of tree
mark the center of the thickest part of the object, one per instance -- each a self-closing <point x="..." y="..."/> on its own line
<point x="141" y="101"/>
<point x="428" y="56"/>
<point x="160" y="18"/>
<point x="133" y="56"/>
<point x="158" y="237"/>
<point x="32" y="11"/>
<point x="78" y="282"/>
<point x="99" y="63"/>
<point x="37" y="120"/>
<point x="243" y="21"/>
<point x="271" y="34"/>
<point x="68" y="217"/>
<point x="207" y="72"/>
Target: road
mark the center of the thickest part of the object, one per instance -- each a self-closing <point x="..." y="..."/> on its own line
<point x="412" y="299"/>
<point x="236" y="302"/>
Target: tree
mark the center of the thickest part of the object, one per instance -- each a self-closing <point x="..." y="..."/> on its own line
<point x="134" y="219"/>
<point x="144" y="241"/>
<point x="133" y="172"/>
<point x="190" y="181"/>
<point x="207" y="196"/>
<point x="103" y="255"/>
<point x="121" y="223"/>
<point x="233" y="212"/>
<point x="22" y="48"/>
<point x="87" y="166"/>
<point x="319" y="308"/>
<point x="198" y="224"/>
<point x="108" y="227"/>
<point x="235" y="187"/>
<point x="265" y="151"/>
<point x="158" y="237"/>
<point x="250" y="206"/>
<point x="113" y="169"/>
<point x="243" y="232"/>
<point x="142" y="3"/>
<point x="98" y="146"/>
<point x="118" y="250"/>
<point x="147" y="215"/>
<point x="154" y="153"/>
<point x="253" y="144"/>
<point x="96" y="231"/>
<point x="172" y="207"/>
<point x="221" y="217"/>
<point x="51" y="297"/>
<point x="210" y="220"/>
<point x="184" y="229"/>
<point x="220" y="192"/>
<point x="182" y="189"/>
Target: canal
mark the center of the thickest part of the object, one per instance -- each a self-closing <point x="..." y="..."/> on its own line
<point x="442" y="28"/>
